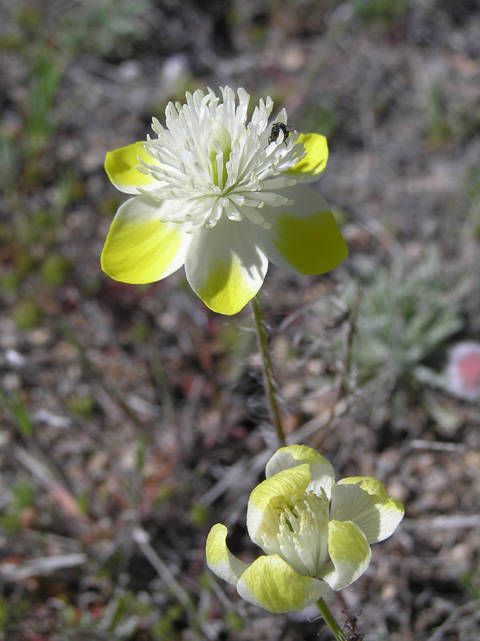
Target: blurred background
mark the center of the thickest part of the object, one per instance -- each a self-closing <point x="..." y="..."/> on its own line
<point x="132" y="418"/>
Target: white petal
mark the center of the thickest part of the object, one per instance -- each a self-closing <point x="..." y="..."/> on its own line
<point x="267" y="497"/>
<point x="322" y="473"/>
<point x="219" y="558"/>
<point x="377" y="514"/>
<point x="140" y="248"/>
<point x="270" y="583"/>
<point x="224" y="266"/>
<point x="303" y="237"/>
<point x="349" y="552"/>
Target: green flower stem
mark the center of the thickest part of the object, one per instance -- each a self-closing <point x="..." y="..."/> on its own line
<point x="268" y="378"/>
<point x="335" y="629"/>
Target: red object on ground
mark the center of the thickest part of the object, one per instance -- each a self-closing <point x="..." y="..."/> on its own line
<point x="463" y="371"/>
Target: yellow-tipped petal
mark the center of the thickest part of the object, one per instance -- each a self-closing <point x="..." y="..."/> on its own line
<point x="321" y="471"/>
<point x="273" y="585"/>
<point x="276" y="491"/>
<point x="371" y="485"/>
<point x="219" y="558"/>
<point x="290" y="456"/>
<point x="365" y="501"/>
<point x="349" y="552"/>
<point x="311" y="245"/>
<point x="303" y="236"/>
<point x="122" y="165"/>
<point x="316" y="156"/>
<point x="140" y="248"/>
<point x="224" y="266"/>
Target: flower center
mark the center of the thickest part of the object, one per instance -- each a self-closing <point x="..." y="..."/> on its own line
<point x="210" y="161"/>
<point x="303" y="533"/>
<point x="220" y="148"/>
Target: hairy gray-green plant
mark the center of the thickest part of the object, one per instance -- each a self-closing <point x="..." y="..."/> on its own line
<point x="406" y="311"/>
<point x="383" y="323"/>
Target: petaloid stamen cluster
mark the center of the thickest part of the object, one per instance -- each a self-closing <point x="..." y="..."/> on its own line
<point x="301" y="533"/>
<point x="211" y="161"/>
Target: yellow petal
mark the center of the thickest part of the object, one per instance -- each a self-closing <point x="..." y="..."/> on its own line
<point x="219" y="558"/>
<point x="273" y="585"/>
<point x="122" y="165"/>
<point x="224" y="266"/>
<point x="140" y="248"/>
<point x="316" y="155"/>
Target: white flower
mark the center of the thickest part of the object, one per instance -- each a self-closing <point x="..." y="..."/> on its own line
<point x="222" y="194"/>
<point x="315" y="533"/>
<point x="210" y="164"/>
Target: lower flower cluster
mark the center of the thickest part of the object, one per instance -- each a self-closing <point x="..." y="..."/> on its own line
<point x="315" y="533"/>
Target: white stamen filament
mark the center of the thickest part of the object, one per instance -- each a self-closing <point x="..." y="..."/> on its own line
<point x="210" y="162"/>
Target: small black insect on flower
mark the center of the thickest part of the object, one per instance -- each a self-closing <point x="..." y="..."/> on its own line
<point x="277" y="127"/>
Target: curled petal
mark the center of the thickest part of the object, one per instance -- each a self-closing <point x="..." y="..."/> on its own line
<point x="273" y="585"/>
<point x="219" y="558"/>
<point x="122" y="167"/>
<point x="140" y="248"/>
<point x="321" y="471"/>
<point x="349" y="553"/>
<point x="274" y="492"/>
<point x="224" y="266"/>
<point x="365" y="501"/>
<point x="315" y="159"/>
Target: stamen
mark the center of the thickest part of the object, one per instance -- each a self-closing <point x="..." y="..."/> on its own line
<point x="208" y="149"/>
<point x="303" y="534"/>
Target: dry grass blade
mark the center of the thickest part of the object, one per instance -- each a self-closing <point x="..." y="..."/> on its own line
<point x="41" y="566"/>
